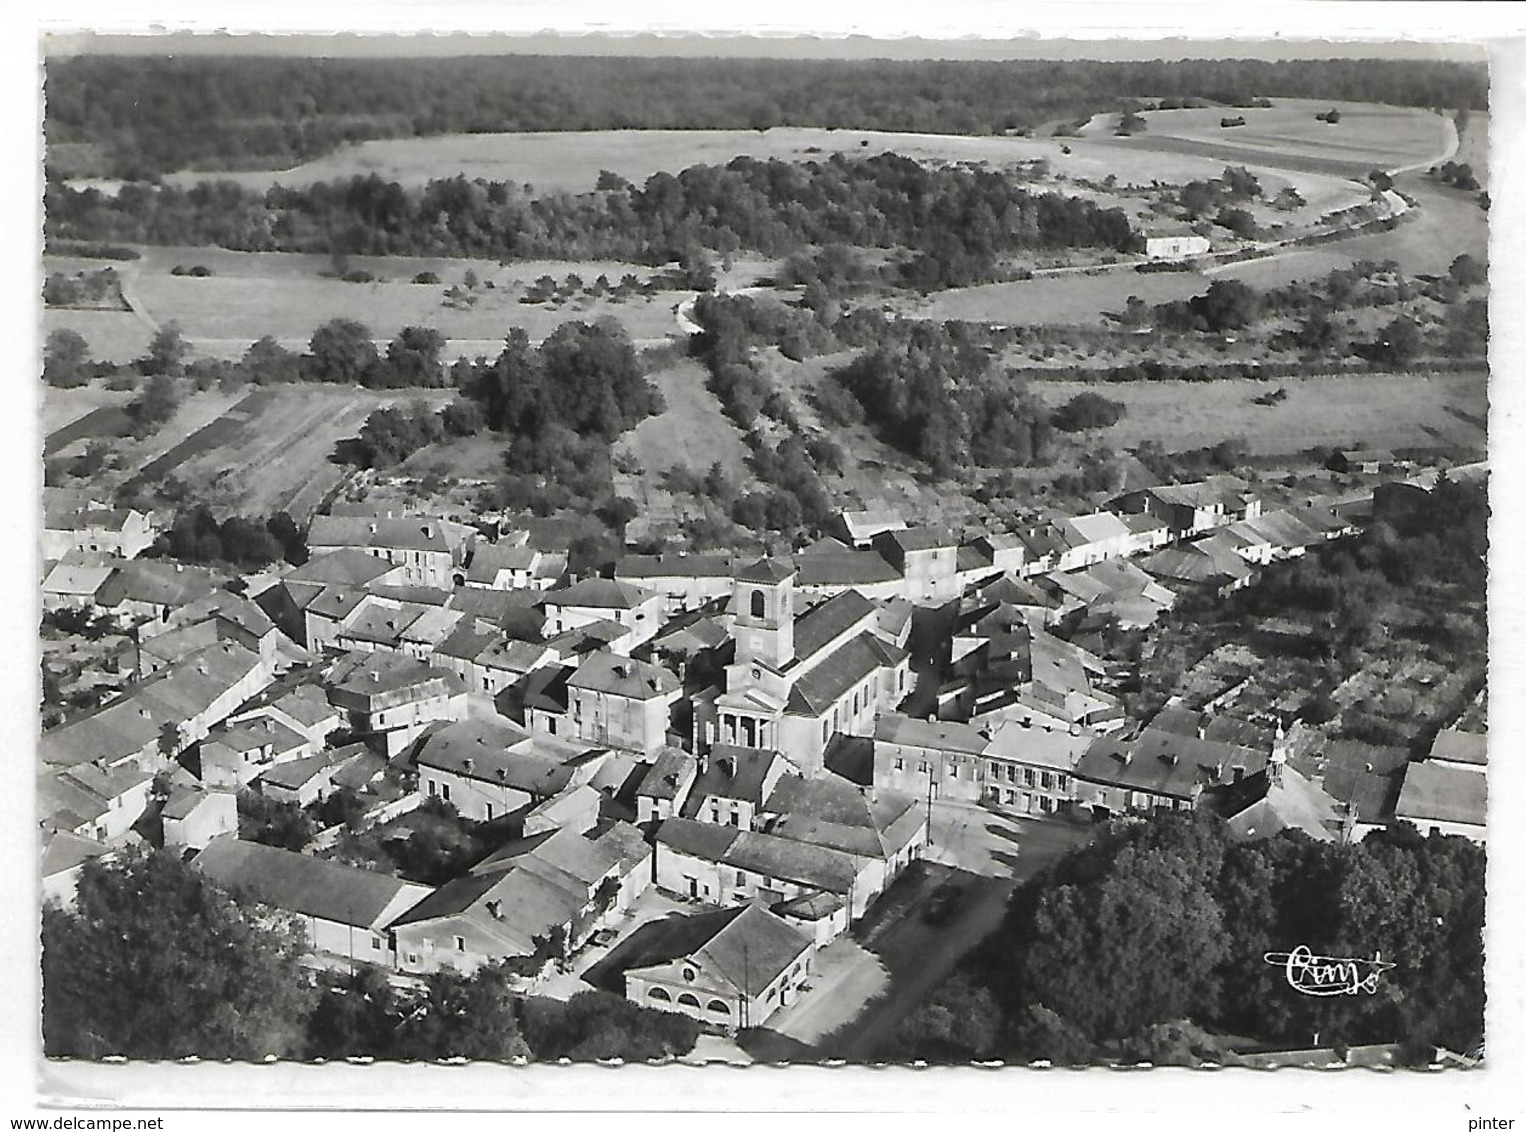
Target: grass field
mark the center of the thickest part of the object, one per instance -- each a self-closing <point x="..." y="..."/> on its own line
<point x="114" y="336"/>
<point x="63" y="407"/>
<point x="1288" y="136"/>
<point x="692" y="432"/>
<point x="1057" y="300"/>
<point x="252" y="294"/>
<point x="268" y="450"/>
<point x="1381" y="410"/>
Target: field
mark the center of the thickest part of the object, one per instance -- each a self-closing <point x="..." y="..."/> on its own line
<point x="63" y="407"/>
<point x="1057" y="300"/>
<point x="1287" y="136"/>
<point x="1381" y="410"/>
<point x="692" y="433"/>
<point x="114" y="336"/>
<point x="251" y="294"/>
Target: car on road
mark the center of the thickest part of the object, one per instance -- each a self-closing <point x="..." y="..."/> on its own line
<point x="944" y="904"/>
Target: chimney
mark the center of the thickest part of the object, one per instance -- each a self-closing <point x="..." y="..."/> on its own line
<point x="375" y="677"/>
<point x="270" y="724"/>
<point x="1202" y="729"/>
<point x="704" y="763"/>
<point x="503" y="774"/>
<point x="729" y="765"/>
<point x="466" y="765"/>
<point x="495" y="909"/>
<point x="372" y="528"/>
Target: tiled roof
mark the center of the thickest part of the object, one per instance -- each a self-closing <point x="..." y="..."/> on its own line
<point x="731" y="772"/>
<point x="1433" y="792"/>
<point x="933" y="734"/>
<point x="668" y="773"/>
<point x="1158" y="762"/>
<point x="298" y="883"/>
<point x="816" y="691"/>
<point x="597" y="593"/>
<point x="846" y="568"/>
<point x="818" y="627"/>
<point x="674" y="566"/>
<point x="421" y="534"/>
<point x="384" y="679"/>
<point x="765" y="571"/>
<point x="346" y="567"/>
<point x="1461" y="747"/>
<point x="622" y="676"/>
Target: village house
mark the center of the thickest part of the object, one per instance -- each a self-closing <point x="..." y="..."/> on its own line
<point x="1192" y="508"/>
<point x="486" y="660"/>
<point x="1444" y="798"/>
<point x="929" y="758"/>
<point x="1280" y="798"/>
<point x="634" y="608"/>
<point x="306" y="781"/>
<point x="731" y="968"/>
<point x="927" y="560"/>
<point x="487" y="768"/>
<point x="732" y="784"/>
<point x="1093" y="538"/>
<point x="796" y="682"/>
<point x="620" y="702"/>
<point x="507" y="566"/>
<point x="234" y="754"/>
<point x="826" y="572"/>
<point x="1029" y="769"/>
<point x="346" y="911"/>
<point x="686" y="581"/>
<point x="91" y="801"/>
<point x="721" y="864"/>
<point x="1157" y="770"/>
<point x="547" y="898"/>
<point x="393" y="698"/>
<point x="1204" y="566"/>
<point x="120" y="532"/>
<point x="1459" y="750"/>
<point x="192" y="817"/>
<point x="860" y="528"/>
<point x="74" y="585"/>
<point x="1363" y="778"/>
<point x="146" y="591"/>
<point x="428" y="550"/>
<point x="1174" y="241"/>
<point x="664" y="790"/>
<point x="375" y="624"/>
<point x="1003" y="551"/>
<point x="62" y="857"/>
<point x="302" y="707"/>
<point x="575" y="809"/>
<point x="342" y="571"/>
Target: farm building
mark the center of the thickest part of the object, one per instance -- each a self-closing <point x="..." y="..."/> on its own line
<point x="1174" y="242"/>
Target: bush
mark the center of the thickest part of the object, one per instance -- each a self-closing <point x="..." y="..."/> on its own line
<point x="1087" y="410"/>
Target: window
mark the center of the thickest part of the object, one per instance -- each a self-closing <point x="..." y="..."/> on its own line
<point x="922" y="766"/>
<point x="741" y="877"/>
<point x="375" y="943"/>
<point x="826" y="729"/>
<point x="490" y="811"/>
<point x="1011" y="774"/>
<point x="757" y="610"/>
<point x="1061" y="781"/>
<point x="551" y="724"/>
<point x="1046" y="803"/>
<point x="1046" y="780"/>
<point x="687" y="999"/>
<point x="432" y="787"/>
<point x="716" y="1006"/>
<point x="445" y="791"/>
<point x="900" y="764"/>
<point x="460" y="943"/>
<point x="659" y="994"/>
<point x="1027" y="776"/>
<point x="996" y="770"/>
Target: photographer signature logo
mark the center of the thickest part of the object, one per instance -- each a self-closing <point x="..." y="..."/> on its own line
<point x="1308" y="973"/>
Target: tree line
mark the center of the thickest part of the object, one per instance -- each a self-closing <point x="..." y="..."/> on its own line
<point x="144" y="116"/>
<point x="955" y="223"/>
<point x="1160" y="927"/>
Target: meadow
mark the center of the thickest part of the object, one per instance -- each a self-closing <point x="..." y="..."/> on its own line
<point x="114" y="336"/>
<point x="1380" y="410"/>
<point x="1073" y="299"/>
<point x="1288" y="136"/>
<point x="271" y="450"/>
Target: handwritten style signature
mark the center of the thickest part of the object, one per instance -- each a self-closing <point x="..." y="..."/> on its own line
<point x="1308" y="973"/>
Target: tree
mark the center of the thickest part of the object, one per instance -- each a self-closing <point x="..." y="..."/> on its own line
<point x="595" y="1024"/>
<point x="1228" y="304"/>
<point x="1467" y="271"/>
<point x="64" y="359"/>
<point x="267" y="362"/>
<point x="1087" y="410"/>
<point x="463" y="1016"/>
<point x="166" y="352"/>
<point x="413" y="357"/>
<point x="354" y="1016"/>
<point x="1399" y="343"/>
<point x="155" y="405"/>
<point x="340" y="351"/>
<point x="157" y="962"/>
<point x="1130" y="123"/>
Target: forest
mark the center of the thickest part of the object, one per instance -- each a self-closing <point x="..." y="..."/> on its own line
<point x="957" y="221"/>
<point x="1146" y="944"/>
<point x="139" y="117"/>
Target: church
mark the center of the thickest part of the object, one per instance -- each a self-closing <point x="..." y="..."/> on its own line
<point x="797" y="680"/>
